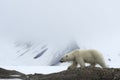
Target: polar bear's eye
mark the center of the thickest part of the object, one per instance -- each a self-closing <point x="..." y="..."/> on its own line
<point x="66" y="55"/>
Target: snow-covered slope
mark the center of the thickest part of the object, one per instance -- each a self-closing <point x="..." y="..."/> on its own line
<point x="44" y="54"/>
<point x="41" y="53"/>
<point x="34" y="53"/>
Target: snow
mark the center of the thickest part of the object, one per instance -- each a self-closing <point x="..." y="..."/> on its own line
<point x="15" y="75"/>
<point x="36" y="69"/>
<point x="52" y="55"/>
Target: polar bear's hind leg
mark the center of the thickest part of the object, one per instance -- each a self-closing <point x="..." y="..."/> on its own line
<point x="102" y="64"/>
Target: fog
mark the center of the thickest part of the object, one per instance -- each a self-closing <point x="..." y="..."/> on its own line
<point x="53" y="19"/>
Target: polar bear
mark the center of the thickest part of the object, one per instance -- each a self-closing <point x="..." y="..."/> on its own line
<point x="81" y="57"/>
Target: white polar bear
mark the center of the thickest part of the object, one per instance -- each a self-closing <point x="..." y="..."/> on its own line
<point x="84" y="56"/>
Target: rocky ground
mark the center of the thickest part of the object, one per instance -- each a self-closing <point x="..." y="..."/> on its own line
<point x="87" y="73"/>
<point x="11" y="74"/>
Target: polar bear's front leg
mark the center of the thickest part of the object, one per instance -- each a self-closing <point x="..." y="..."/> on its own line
<point x="92" y="64"/>
<point x="73" y="66"/>
<point x="81" y="62"/>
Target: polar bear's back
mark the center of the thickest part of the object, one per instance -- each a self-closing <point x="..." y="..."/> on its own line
<point x="91" y="55"/>
<point x="96" y="54"/>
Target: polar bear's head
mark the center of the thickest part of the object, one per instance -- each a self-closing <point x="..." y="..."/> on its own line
<point x="67" y="57"/>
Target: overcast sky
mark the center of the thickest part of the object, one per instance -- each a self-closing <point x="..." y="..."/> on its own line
<point x="88" y="21"/>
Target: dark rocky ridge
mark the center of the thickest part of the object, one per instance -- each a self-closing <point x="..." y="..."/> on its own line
<point x="88" y="73"/>
<point x="10" y="74"/>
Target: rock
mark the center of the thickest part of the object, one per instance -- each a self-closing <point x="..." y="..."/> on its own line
<point x="87" y="73"/>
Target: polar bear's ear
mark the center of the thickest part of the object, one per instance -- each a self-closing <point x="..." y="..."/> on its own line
<point x="66" y="55"/>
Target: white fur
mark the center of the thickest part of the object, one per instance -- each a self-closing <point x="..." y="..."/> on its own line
<point x="84" y="56"/>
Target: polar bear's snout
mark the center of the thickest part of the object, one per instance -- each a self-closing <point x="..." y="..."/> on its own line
<point x="62" y="60"/>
